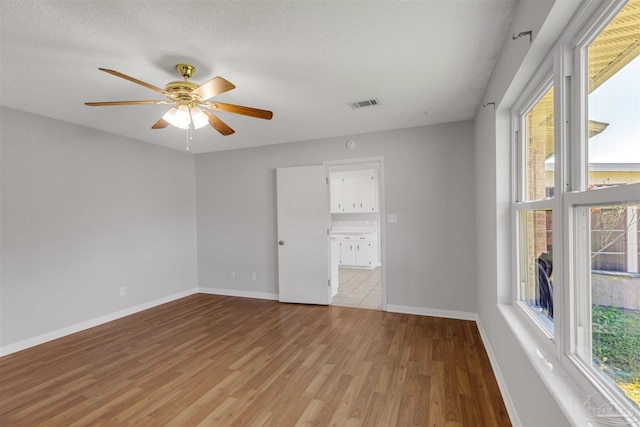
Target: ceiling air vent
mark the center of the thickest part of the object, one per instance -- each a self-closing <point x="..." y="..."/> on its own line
<point x="366" y="103"/>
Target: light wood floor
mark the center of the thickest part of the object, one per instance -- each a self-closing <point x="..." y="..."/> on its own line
<point x="216" y="361"/>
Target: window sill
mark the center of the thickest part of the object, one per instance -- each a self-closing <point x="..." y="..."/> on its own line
<point x="570" y="397"/>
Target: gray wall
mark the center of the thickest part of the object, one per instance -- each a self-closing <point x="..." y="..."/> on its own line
<point x="84" y="213"/>
<point x="428" y="173"/>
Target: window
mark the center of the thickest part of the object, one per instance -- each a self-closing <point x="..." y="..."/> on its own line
<point x="607" y="248"/>
<point x="536" y="264"/>
<point x="539" y="141"/>
<point x="607" y="224"/>
<point x="613" y="86"/>
<point x="535" y="204"/>
<point x="614" y="238"/>
<point x="576" y="202"/>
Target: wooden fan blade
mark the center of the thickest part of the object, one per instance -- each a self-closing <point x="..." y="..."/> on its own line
<point x="134" y="80"/>
<point x="160" y="124"/>
<point x="213" y="87"/>
<point x="239" y="109"/>
<point x="218" y="124"/>
<point x="101" y="104"/>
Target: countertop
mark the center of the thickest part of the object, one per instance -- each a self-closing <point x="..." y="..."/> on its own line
<point x="353" y="230"/>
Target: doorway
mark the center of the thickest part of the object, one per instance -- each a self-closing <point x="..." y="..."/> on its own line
<point x="359" y="288"/>
<point x="357" y="231"/>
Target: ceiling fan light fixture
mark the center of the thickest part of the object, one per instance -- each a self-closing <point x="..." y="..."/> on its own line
<point x="182" y="117"/>
<point x="199" y="118"/>
<point x="178" y="118"/>
<point x="170" y="116"/>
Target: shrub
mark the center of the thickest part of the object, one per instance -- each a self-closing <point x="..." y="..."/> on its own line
<point x="616" y="342"/>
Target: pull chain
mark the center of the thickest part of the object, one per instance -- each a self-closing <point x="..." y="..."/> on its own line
<point x="189" y="136"/>
<point x="189" y="129"/>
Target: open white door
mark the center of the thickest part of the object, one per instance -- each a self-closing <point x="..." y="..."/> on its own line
<point x="303" y="240"/>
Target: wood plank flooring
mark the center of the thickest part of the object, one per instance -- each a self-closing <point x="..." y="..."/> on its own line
<point x="209" y="360"/>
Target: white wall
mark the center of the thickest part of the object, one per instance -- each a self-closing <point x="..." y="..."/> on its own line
<point x="428" y="171"/>
<point x="525" y="391"/>
<point x="84" y="213"/>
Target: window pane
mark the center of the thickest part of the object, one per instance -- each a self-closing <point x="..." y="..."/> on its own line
<point x="615" y="296"/>
<point x="539" y="160"/>
<point x="536" y="264"/>
<point x="614" y="101"/>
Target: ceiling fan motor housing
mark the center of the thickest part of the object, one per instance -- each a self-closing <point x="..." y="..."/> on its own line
<point x="182" y="90"/>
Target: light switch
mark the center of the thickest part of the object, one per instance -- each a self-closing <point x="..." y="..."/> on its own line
<point x="392" y="218"/>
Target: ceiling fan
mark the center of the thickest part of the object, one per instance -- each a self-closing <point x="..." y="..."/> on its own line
<point x="190" y="102"/>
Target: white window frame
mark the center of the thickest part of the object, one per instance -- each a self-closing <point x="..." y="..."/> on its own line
<point x="542" y="81"/>
<point x="565" y="69"/>
<point x="578" y="345"/>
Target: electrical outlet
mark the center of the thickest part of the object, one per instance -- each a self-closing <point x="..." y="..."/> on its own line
<point x="392" y="218"/>
<point x="123" y="291"/>
<point x="233" y="274"/>
<point x="253" y="276"/>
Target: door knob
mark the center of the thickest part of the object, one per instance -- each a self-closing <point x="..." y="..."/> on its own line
<point x="281" y="242"/>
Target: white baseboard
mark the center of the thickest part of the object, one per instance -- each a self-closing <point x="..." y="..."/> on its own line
<point x="502" y="385"/>
<point x="59" y="333"/>
<point x="422" y="311"/>
<point x="238" y="293"/>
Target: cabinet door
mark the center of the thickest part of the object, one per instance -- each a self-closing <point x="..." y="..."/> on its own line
<point x="350" y="192"/>
<point x="337" y="193"/>
<point x="373" y="253"/>
<point x="354" y="191"/>
<point x="363" y="253"/>
<point x="367" y="191"/>
<point x="347" y="252"/>
<point x="335" y="262"/>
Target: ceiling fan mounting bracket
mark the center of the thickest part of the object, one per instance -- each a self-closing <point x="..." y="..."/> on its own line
<point x="185" y="70"/>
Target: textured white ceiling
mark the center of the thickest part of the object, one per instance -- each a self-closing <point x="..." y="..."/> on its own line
<point x="304" y="60"/>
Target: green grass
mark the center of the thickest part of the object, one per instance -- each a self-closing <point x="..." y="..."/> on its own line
<point x="616" y="347"/>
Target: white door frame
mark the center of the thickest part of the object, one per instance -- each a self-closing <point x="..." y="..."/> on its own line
<point x="383" y="227"/>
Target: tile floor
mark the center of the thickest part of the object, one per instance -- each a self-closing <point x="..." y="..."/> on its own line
<point x="359" y="288"/>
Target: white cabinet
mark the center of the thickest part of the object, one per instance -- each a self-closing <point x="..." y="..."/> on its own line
<point x="364" y="250"/>
<point x="336" y="190"/>
<point x="347" y="250"/>
<point x="350" y="192"/>
<point x="367" y="199"/>
<point x="335" y="262"/>
<point x="358" y="250"/>
<point x="354" y="191"/>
